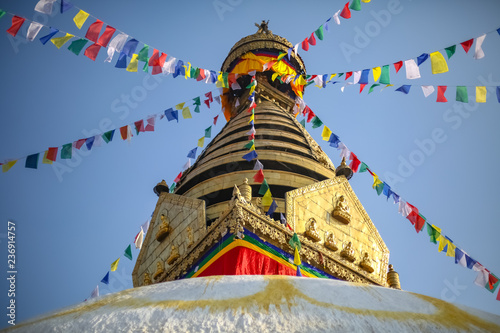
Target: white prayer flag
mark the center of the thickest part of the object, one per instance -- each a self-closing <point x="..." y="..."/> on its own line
<point x="479" y="53"/>
<point x="95" y="292"/>
<point x="356" y="76"/>
<point x="44" y="6"/>
<point x="139" y="239"/>
<point x="187" y="165"/>
<point x="169" y="66"/>
<point x="252" y="131"/>
<point x="258" y="165"/>
<point x="412" y="70"/>
<point x="482" y="275"/>
<point x="427" y="90"/>
<point x="403" y="208"/>
<point x="336" y="17"/>
<point x="344" y="151"/>
<point x="116" y="44"/>
<point x="33" y="30"/>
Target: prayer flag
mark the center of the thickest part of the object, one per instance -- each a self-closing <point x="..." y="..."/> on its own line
<point x="412" y="70"/>
<point x="172" y="188"/>
<point x="65" y="6"/>
<point x="114" y="265"/>
<point x="325" y="135"/>
<point x="125" y="132"/>
<point x="346" y="13"/>
<point x="438" y="63"/>
<point x="17" y="22"/>
<point x="263" y="188"/>
<point x="272" y="208"/>
<point x="208" y="132"/>
<point x="319" y="32"/>
<point x="92" y="51"/>
<point x="128" y="252"/>
<point x="316" y="122"/>
<point x="312" y="40"/>
<point x="105" y="279"/>
<point x="143" y="54"/>
<point x="172" y="114"/>
<point x="139" y="239"/>
<point x="405" y="88"/>
<point x="421" y="58"/>
<point x="385" y="77"/>
<point x="44" y="6"/>
<point x="298" y="271"/>
<point x="33" y="30"/>
<point x="32" y="161"/>
<point x="462" y="94"/>
<point x="52" y="154"/>
<point x="139" y="126"/>
<point x="296" y="257"/>
<point x="363" y="167"/>
<point x="116" y="44"/>
<point x="94" y="30"/>
<point x="498" y="92"/>
<point x="95" y="292"/>
<point x="305" y="45"/>
<point x="178" y="178"/>
<point x="355" y="162"/>
<point x="132" y="66"/>
<point x="267" y="199"/>
<point x="480" y="94"/>
<point x="250" y="156"/>
<point x="259" y="176"/>
<point x="450" y="50"/>
<point x="201" y="142"/>
<point x="186" y="113"/>
<point x="295" y="242"/>
<point x="108" y="136"/>
<point x="250" y="145"/>
<point x="51" y="34"/>
<point x="45" y="160"/>
<point x="364" y="76"/>
<point x="89" y="142"/>
<point x="192" y="153"/>
<point x="372" y="87"/>
<point x="6" y="166"/>
<point x="303" y="122"/>
<point x="427" y="90"/>
<point x="106" y="36"/>
<point x="376" y="71"/>
<point x="66" y="151"/>
<point x="355" y="5"/>
<point x="478" y="52"/>
<point x="398" y="65"/>
<point x="492" y="284"/>
<point x="467" y="44"/>
<point x="258" y="165"/>
<point x="80" y="18"/>
<point x="77" y="45"/>
<point x="60" y="41"/>
<point x="334" y="140"/>
<point x="459" y="255"/>
<point x="440" y="94"/>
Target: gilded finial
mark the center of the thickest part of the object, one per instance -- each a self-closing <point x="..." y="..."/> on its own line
<point x="343" y="170"/>
<point x="393" y="278"/>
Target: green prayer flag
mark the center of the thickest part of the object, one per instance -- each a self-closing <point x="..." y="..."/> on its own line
<point x="197" y="109"/>
<point x="66" y="151"/>
<point x="355" y="5"/>
<point x="172" y="188"/>
<point x="379" y="188"/>
<point x="249" y="144"/>
<point x="319" y="32"/>
<point x="196" y="74"/>
<point x="363" y="167"/>
<point x="303" y="122"/>
<point x="295" y="242"/>
<point x="495" y="285"/>
<point x="2" y="13"/>
<point x="433" y="233"/>
<point x="108" y="136"/>
<point x="372" y="87"/>
<point x="450" y="51"/>
<point x="128" y="252"/>
<point x="340" y="74"/>
<point x="462" y="94"/>
<point x="197" y="101"/>
<point x="263" y="188"/>
<point x="192" y="73"/>
<point x="316" y="122"/>
<point x="76" y="46"/>
<point x="385" y="77"/>
<point x="225" y="80"/>
<point x="143" y="54"/>
<point x="208" y="132"/>
<point x="145" y="68"/>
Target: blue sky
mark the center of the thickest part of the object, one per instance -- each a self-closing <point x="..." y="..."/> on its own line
<point x="73" y="220"/>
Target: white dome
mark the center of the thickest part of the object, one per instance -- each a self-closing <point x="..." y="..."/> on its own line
<point x="263" y="304"/>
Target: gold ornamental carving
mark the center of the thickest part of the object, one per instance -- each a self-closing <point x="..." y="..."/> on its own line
<point x="164" y="228"/>
<point x="159" y="270"/>
<point x="348" y="252"/>
<point x="147" y="280"/>
<point x="312" y="230"/>
<point x="330" y="242"/>
<point x="174" y="255"/>
<point x="366" y="263"/>
<point x="341" y="212"/>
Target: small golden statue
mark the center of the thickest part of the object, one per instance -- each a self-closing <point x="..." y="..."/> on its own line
<point x="312" y="231"/>
<point x="366" y="263"/>
<point x="341" y="212"/>
<point x="159" y="269"/>
<point x="348" y="252"/>
<point x="190" y="236"/>
<point x="174" y="255"/>
<point x="330" y="242"/>
<point x="147" y="279"/>
<point x="164" y="228"/>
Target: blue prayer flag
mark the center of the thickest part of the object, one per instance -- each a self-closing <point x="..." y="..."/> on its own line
<point x="89" y="142"/>
<point x="105" y="279"/>
<point x="32" y="161"/>
<point x="250" y="156"/>
<point x="421" y="58"/>
<point x="179" y="69"/>
<point x="298" y="271"/>
<point x="122" y="61"/>
<point x="51" y="34"/>
<point x="405" y="88"/>
<point x="129" y="48"/>
<point x="65" y="6"/>
<point x="334" y="140"/>
<point x="172" y="114"/>
<point x="364" y="76"/>
<point x="272" y="208"/>
<point x="386" y="190"/>
<point x="192" y="153"/>
<point x="498" y="92"/>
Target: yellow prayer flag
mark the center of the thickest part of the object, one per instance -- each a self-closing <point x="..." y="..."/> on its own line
<point x="132" y="66"/>
<point x="450" y="251"/>
<point x="274" y="76"/>
<point x="480" y="94"/>
<point x="186" y="114"/>
<point x="267" y="199"/>
<point x="326" y="133"/>
<point x="45" y="160"/>
<point x="366" y="1"/>
<point x="332" y="76"/>
<point x="376" y="180"/>
<point x="281" y="56"/>
<point x="442" y="242"/>
<point x="201" y="142"/>
<point x="60" y="41"/>
<point x="252" y="148"/>
<point x="301" y="81"/>
<point x="180" y="106"/>
<point x="296" y="257"/>
<point x="114" y="265"/>
<point x="436" y="228"/>
<point x="252" y="117"/>
<point x="188" y="71"/>
<point x="376" y="73"/>
<point x="6" y="167"/>
<point x="438" y="63"/>
<point x="80" y="18"/>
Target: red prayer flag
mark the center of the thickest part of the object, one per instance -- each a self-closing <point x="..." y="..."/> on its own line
<point x="52" y="154"/>
<point x="467" y="44"/>
<point x="361" y="87"/>
<point x="209" y="96"/>
<point x="154" y="60"/>
<point x="440" y="94"/>
<point x="306" y="110"/>
<point x="252" y="106"/>
<point x="310" y="116"/>
<point x="492" y="280"/>
<point x="106" y="36"/>
<point x="94" y="30"/>
<point x="139" y="126"/>
<point x="312" y="39"/>
<point x="398" y="65"/>
<point x="176" y="180"/>
<point x="150" y="127"/>
<point x="17" y="22"/>
<point x="355" y="163"/>
<point x="124" y="132"/>
<point x="201" y="76"/>
<point x="158" y="63"/>
<point x="92" y="51"/>
<point x="78" y="144"/>
<point x="347" y="75"/>
<point x="305" y="45"/>
<point x="259" y="176"/>
<point x="415" y="218"/>
<point x="346" y="13"/>
<point x="498" y="295"/>
<point x="215" y="120"/>
<point x="207" y="102"/>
